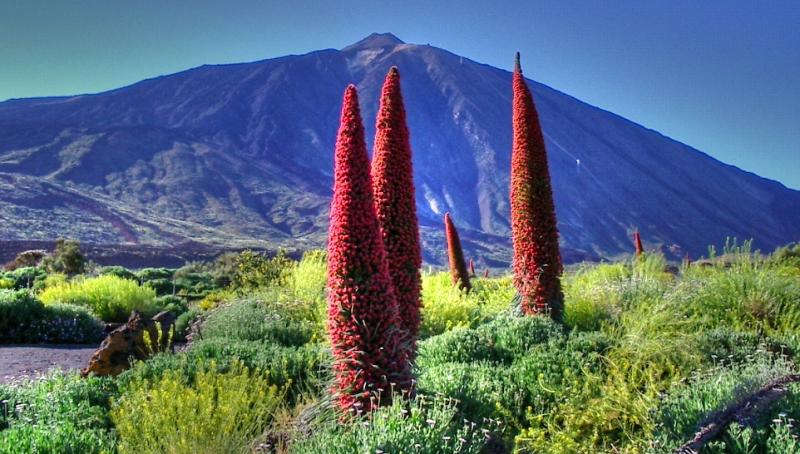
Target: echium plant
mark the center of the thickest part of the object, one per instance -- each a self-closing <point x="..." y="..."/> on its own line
<point x="536" y="259"/>
<point x="455" y="255"/>
<point x="395" y="204"/>
<point x="361" y="306"/>
<point x="637" y="244"/>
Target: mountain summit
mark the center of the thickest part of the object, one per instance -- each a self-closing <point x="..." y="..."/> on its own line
<point x="242" y="155"/>
<point x="374" y="41"/>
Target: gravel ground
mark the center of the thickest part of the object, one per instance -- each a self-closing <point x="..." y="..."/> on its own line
<point x="17" y="361"/>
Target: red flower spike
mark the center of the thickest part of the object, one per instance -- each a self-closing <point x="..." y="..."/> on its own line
<point x="536" y="259"/>
<point x="361" y="307"/>
<point x="637" y="244"/>
<point x="395" y="203"/>
<point x="471" y="267"/>
<point x="458" y="270"/>
<point x="486" y="273"/>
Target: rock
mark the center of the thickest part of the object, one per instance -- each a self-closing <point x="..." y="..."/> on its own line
<point x="127" y="343"/>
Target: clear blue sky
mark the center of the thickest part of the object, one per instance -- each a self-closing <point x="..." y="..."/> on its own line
<point x="722" y="76"/>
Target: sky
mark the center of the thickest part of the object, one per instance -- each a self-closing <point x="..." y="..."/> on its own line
<point x="722" y="76"/>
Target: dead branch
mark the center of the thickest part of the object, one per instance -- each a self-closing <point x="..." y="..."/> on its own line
<point x="708" y="432"/>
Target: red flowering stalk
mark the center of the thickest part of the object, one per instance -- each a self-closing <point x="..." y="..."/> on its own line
<point x="458" y="270"/>
<point x="536" y="259"/>
<point x="361" y="306"/>
<point x="637" y="244"/>
<point x="687" y="260"/>
<point x="393" y="186"/>
<point x="486" y="273"/>
<point x="471" y="267"/>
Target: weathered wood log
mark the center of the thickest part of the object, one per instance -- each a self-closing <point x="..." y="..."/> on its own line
<point x="709" y="431"/>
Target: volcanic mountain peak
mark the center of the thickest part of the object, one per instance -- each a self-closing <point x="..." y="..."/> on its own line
<point x="374" y="41"/>
<point x="243" y="154"/>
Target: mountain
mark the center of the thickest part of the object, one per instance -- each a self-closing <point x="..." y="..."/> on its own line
<point x="242" y="155"/>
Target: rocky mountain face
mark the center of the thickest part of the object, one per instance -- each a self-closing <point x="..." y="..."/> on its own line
<point x="242" y="156"/>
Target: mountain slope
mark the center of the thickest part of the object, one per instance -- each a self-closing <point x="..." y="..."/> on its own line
<point x="241" y="155"/>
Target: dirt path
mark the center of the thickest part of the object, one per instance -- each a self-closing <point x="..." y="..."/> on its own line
<point x="27" y="360"/>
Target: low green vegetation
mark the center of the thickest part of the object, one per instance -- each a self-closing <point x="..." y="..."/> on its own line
<point x="110" y="297"/>
<point x="57" y="414"/>
<point x="214" y="412"/>
<point x="26" y="320"/>
<point x="645" y="357"/>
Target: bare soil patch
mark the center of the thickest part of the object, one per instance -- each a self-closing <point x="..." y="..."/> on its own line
<point x="18" y="361"/>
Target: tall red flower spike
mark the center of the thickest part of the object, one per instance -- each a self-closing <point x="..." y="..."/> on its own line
<point x="458" y="269"/>
<point x="471" y="267"/>
<point x="536" y="258"/>
<point x="361" y="306"/>
<point x="393" y="186"/>
<point x="637" y="244"/>
<point x="687" y="260"/>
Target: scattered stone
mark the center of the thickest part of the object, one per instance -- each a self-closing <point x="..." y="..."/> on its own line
<point x="129" y="343"/>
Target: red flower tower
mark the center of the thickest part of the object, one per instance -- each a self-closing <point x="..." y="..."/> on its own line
<point x="361" y="306"/>
<point x="393" y="187"/>
<point x="458" y="270"/>
<point x="536" y="259"/>
<point x="637" y="244"/>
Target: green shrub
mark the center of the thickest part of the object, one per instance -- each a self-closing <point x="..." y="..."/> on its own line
<point x="590" y="297"/>
<point x="515" y="336"/>
<point x="298" y="370"/>
<point x="184" y="323"/>
<point x="215" y="412"/>
<point x="255" y="270"/>
<point x="461" y="345"/>
<point x="424" y="425"/>
<point x="66" y="258"/>
<point x="26" y="277"/>
<point x="111" y="298"/>
<point x="149" y="274"/>
<point x="119" y="271"/>
<point x="306" y="282"/>
<point x="161" y="286"/>
<point x="175" y="304"/>
<point x="250" y="318"/>
<point x="25" y="320"/>
<point x="786" y="255"/>
<point x="445" y="306"/>
<point x="589" y="343"/>
<point x="688" y="406"/>
<point x="56" y="414"/>
<point x="745" y="296"/>
<point x="195" y="278"/>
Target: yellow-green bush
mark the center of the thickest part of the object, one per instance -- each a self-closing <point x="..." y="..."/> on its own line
<point x="216" y="413"/>
<point x="110" y="297"/>
<point x="445" y="306"/>
<point x="306" y="282"/>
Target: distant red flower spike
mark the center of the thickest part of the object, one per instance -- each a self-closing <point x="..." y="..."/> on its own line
<point x="471" y="267"/>
<point x="395" y="203"/>
<point x="637" y="244"/>
<point x="486" y="273"/>
<point x="361" y="306"/>
<point x="687" y="260"/>
<point x="458" y="270"/>
<point x="536" y="259"/>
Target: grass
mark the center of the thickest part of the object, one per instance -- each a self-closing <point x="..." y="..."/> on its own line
<point x="644" y="357"/>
